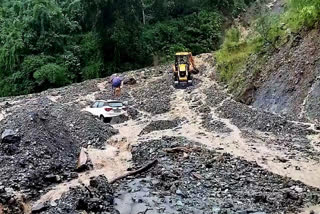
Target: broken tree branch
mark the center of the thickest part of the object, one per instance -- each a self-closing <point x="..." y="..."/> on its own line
<point x="138" y="171"/>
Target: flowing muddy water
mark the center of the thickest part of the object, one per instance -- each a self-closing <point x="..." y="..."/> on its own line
<point x="115" y="158"/>
<point x="234" y="142"/>
<point x="112" y="161"/>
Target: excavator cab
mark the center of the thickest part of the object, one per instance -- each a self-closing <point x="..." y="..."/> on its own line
<point x="183" y="68"/>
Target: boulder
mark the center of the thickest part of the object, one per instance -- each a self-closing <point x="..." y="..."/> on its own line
<point x="130" y="81"/>
<point x="9" y="136"/>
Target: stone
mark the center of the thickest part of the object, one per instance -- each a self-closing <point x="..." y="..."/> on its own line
<point x="38" y="208"/>
<point x="82" y="161"/>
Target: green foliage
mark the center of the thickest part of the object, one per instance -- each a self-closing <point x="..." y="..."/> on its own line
<point x="269" y="32"/>
<point x="302" y="13"/>
<point x="234" y="54"/>
<point x="51" y="43"/>
<point x="52" y="74"/>
<point x="196" y="32"/>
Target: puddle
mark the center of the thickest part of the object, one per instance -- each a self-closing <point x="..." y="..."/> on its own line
<point x="139" y="199"/>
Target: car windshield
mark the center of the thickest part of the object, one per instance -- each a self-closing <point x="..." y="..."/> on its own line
<point x="115" y="104"/>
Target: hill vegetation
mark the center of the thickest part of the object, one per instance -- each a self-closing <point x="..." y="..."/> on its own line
<point x="268" y="32"/>
<point x="52" y="43"/>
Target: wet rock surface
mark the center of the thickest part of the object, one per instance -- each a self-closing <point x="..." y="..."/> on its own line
<point x="160" y="125"/>
<point x="204" y="181"/>
<point x="154" y="97"/>
<point x="96" y="198"/>
<point x="43" y="145"/>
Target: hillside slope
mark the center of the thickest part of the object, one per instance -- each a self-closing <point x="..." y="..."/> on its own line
<point x="214" y="155"/>
<point x="288" y="80"/>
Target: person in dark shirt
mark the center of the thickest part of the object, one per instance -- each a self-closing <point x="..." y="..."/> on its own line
<point x="117" y="84"/>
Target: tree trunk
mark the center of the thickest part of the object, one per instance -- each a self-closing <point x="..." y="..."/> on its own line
<point x="143" y="13"/>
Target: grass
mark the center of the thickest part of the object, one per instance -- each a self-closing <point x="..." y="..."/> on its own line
<point x="269" y="31"/>
<point x="234" y="54"/>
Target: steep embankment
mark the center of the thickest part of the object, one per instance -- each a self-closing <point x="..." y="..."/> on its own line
<point x="288" y="80"/>
<point x="214" y="154"/>
<point x="272" y="61"/>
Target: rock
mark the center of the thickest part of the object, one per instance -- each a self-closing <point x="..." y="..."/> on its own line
<point x="298" y="189"/>
<point x="39" y="208"/>
<point x="74" y="175"/>
<point x="7" y="132"/>
<point x="53" y="204"/>
<point x="130" y="81"/>
<point x="53" y="178"/>
<point x="9" y="137"/>
<point x="82" y="161"/>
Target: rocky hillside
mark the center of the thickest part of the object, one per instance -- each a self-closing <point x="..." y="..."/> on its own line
<point x="198" y="151"/>
<point x="270" y="59"/>
<point x="288" y="80"/>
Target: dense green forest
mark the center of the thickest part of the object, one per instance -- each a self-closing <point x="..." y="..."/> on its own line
<point x="52" y="43"/>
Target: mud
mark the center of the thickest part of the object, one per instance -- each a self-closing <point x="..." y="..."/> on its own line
<point x="203" y="181"/>
<point x="242" y="160"/>
<point x="160" y="125"/>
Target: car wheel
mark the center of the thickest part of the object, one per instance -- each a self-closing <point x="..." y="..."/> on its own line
<point x="102" y="118"/>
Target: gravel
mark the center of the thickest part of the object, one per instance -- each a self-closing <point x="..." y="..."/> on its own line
<point x="96" y="198"/>
<point x="205" y="181"/>
<point x="214" y="125"/>
<point x="160" y="125"/>
<point x="43" y="146"/>
<point x="154" y="97"/>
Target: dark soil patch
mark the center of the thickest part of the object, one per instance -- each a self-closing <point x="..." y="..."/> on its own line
<point x="160" y="125"/>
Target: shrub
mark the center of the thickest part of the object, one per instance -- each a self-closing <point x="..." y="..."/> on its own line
<point x="302" y="13"/>
<point x="52" y="75"/>
<point x="92" y="71"/>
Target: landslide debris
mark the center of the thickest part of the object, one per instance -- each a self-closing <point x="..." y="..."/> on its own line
<point x="159" y="125"/>
<point x="43" y="143"/>
<point x="204" y="181"/>
<point x="214" y="125"/>
<point x="96" y="198"/>
<point x="247" y="117"/>
<point x="154" y="97"/>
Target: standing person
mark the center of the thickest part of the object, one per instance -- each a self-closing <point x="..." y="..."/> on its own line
<point x="117" y="83"/>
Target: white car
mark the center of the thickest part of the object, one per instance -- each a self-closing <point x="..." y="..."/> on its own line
<point x="106" y="110"/>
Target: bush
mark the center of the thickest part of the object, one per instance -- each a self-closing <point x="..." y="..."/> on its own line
<point x="92" y="71"/>
<point x="52" y="75"/>
<point x="302" y="13"/>
<point x="234" y="53"/>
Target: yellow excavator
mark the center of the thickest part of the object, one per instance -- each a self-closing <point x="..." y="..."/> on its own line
<point x="183" y="68"/>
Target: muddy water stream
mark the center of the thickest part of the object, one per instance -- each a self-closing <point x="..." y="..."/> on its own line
<point x="115" y="159"/>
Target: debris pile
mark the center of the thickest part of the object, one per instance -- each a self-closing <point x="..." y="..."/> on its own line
<point x="154" y="97"/>
<point x="95" y="198"/>
<point x="160" y="125"/>
<point x="197" y="180"/>
<point x="41" y="144"/>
